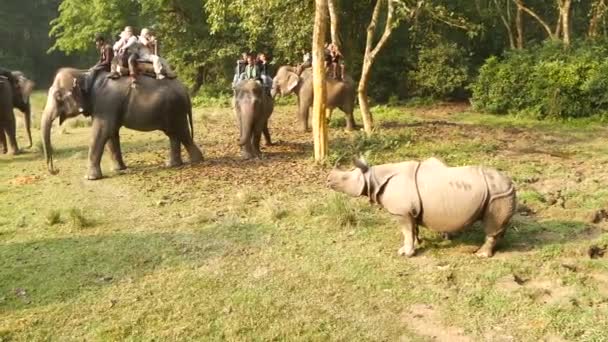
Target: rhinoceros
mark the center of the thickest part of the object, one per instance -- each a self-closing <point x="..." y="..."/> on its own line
<point x="429" y="193"/>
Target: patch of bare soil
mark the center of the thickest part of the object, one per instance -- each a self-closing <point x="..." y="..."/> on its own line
<point x="601" y="280"/>
<point x="286" y="163"/>
<point x="443" y="109"/>
<point x="24" y="180"/>
<point x="425" y="321"/>
<point x="541" y="290"/>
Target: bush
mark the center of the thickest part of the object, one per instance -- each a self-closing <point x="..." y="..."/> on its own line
<point x="545" y="81"/>
<point x="442" y="71"/>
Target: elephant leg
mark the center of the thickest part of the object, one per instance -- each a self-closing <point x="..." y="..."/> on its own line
<point x="114" y="148"/>
<point x="11" y="131"/>
<point x="195" y="154"/>
<point x="303" y="106"/>
<point x="304" y="111"/>
<point x="350" y="118"/>
<point x="100" y="136"/>
<point x="256" y="138"/>
<point x="3" y="146"/>
<point x="409" y="228"/>
<point x="175" y="153"/>
<point x="267" y="135"/>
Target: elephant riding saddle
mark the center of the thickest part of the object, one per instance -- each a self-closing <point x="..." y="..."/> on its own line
<point x="143" y="68"/>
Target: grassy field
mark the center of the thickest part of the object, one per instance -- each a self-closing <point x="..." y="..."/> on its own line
<point x="261" y="250"/>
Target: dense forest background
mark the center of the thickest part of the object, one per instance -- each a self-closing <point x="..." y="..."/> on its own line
<point x="438" y="48"/>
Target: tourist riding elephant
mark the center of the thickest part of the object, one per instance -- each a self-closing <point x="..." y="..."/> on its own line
<point x="14" y="97"/>
<point x="112" y="103"/>
<point x="340" y="94"/>
<point x="252" y="107"/>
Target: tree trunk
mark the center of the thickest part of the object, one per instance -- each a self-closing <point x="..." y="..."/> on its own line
<point x="519" y="25"/>
<point x="370" y="57"/>
<point x="564" y="10"/>
<point x="319" y="123"/>
<point x="506" y="22"/>
<point x="199" y="80"/>
<point x="522" y="7"/>
<point x="334" y="19"/>
<point x="598" y="11"/>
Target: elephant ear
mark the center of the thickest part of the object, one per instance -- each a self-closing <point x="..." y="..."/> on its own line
<point x="292" y="81"/>
<point x="26" y="90"/>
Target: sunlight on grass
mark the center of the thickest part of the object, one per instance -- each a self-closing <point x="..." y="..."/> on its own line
<point x="238" y="259"/>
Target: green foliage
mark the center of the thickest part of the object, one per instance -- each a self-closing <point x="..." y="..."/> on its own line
<point x="545" y="81"/>
<point x="442" y="70"/>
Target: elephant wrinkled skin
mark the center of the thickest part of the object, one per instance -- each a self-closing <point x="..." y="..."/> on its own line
<point x="340" y="94"/>
<point x="252" y="107"/>
<point x="441" y="198"/>
<point x="152" y="105"/>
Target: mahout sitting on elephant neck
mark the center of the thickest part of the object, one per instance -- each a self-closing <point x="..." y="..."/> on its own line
<point x="153" y="105"/>
<point x="340" y="94"/>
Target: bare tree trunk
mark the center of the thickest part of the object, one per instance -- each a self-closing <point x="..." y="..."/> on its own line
<point x="598" y="10"/>
<point x="370" y="57"/>
<point x="199" y="80"/>
<point x="564" y="10"/>
<point x="520" y="5"/>
<point x="319" y="123"/>
<point x="505" y="22"/>
<point x="519" y="25"/>
<point x="334" y="19"/>
<point x="558" y="27"/>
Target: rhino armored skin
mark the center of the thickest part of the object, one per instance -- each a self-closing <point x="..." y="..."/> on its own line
<point x="429" y="193"/>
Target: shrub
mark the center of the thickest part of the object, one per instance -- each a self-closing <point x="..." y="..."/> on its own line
<point x="545" y="81"/>
<point x="442" y="71"/>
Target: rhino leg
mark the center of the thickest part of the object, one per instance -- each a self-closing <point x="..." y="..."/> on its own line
<point x="495" y="220"/>
<point x="409" y="228"/>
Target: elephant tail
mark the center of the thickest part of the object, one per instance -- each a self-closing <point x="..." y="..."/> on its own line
<point x="191" y="123"/>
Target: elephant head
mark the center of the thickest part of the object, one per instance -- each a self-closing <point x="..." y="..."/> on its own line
<point x="64" y="100"/>
<point x="285" y="82"/>
<point x="22" y="100"/>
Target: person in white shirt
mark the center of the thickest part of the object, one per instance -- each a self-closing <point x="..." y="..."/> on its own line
<point x="148" y="53"/>
<point x="126" y="49"/>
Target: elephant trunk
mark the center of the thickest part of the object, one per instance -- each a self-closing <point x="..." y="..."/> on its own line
<point x="28" y="122"/>
<point x="248" y="112"/>
<point x="45" y="127"/>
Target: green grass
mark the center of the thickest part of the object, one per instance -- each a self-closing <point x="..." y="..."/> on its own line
<point x="261" y="250"/>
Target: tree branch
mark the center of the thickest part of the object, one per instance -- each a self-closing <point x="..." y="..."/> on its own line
<point x="530" y="12"/>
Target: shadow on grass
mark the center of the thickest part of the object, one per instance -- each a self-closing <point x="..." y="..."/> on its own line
<point x="57" y="270"/>
<point x="524" y="235"/>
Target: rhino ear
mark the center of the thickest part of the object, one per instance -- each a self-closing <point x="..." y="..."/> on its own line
<point x="361" y="164"/>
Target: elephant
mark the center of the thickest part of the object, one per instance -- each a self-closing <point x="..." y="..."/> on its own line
<point x="253" y="107"/>
<point x="441" y="198"/>
<point x="340" y="94"/>
<point x="14" y="96"/>
<point x="112" y="103"/>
